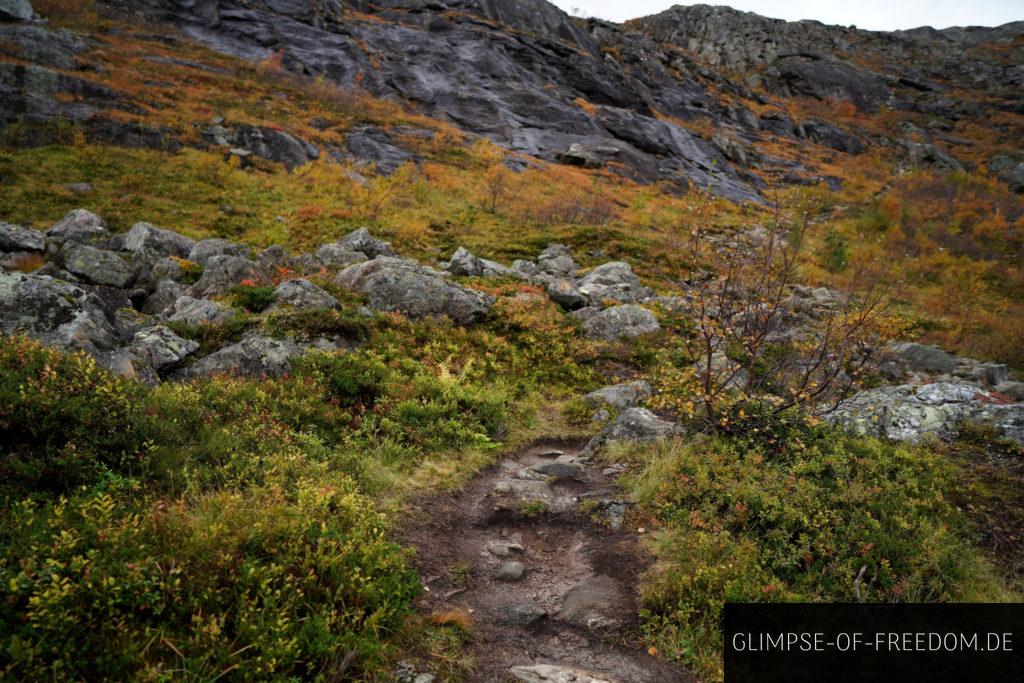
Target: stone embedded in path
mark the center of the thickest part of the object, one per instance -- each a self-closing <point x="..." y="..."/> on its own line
<point x="547" y="673"/>
<point x="559" y="468"/>
<point x="595" y="603"/>
<point x="509" y="571"/>
<point x="503" y="548"/>
<point x="524" y="614"/>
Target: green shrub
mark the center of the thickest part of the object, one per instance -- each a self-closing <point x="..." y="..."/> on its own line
<point x="252" y="298"/>
<point x="268" y="583"/>
<point x="748" y="520"/>
<point x="353" y="378"/>
<point x="63" y="419"/>
<point x="347" y="323"/>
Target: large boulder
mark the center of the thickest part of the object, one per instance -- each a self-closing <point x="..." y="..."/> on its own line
<point x="638" y="424"/>
<point x="264" y="142"/>
<point x="204" y="250"/>
<point x="161" y="347"/>
<point x="924" y="358"/>
<point x="557" y="260"/>
<point x="619" y="396"/>
<point x="621" y="322"/>
<point x="78" y="225"/>
<point x="97" y="266"/>
<point x="222" y="273"/>
<point x="253" y="356"/>
<point x="362" y="241"/>
<point x="393" y="284"/>
<point x="615" y="281"/>
<point x="907" y="413"/>
<point x="149" y="239"/>
<point x="338" y="256"/>
<point x="17" y="238"/>
<point x="54" y="312"/>
<point x="194" y="312"/>
<point x="302" y="293"/>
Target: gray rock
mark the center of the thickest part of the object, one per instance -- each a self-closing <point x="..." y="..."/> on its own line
<point x="620" y="396"/>
<point x="392" y="284"/>
<point x="161" y="347"/>
<point x="525" y="268"/>
<point x="79" y="188"/>
<point x="16" y="10"/>
<point x="253" y="357"/>
<point x="907" y="413"/>
<point x="362" y="241"/>
<point x="266" y="143"/>
<point x="548" y="673"/>
<point x="127" y="364"/>
<point x="557" y="260"/>
<point x="594" y="604"/>
<point x="204" y="250"/>
<point x="586" y="313"/>
<point x="97" y="266"/>
<point x="503" y="548"/>
<point x="149" y="239"/>
<point x="930" y="359"/>
<point x="221" y="274"/>
<point x="54" y="312"/>
<point x="524" y="614"/>
<point x="17" y="238"/>
<point x="621" y="322"/>
<point x="615" y="281"/>
<point x="163" y="297"/>
<point x="302" y="293"/>
<point x="559" y="468"/>
<point x="338" y="256"/>
<point x="566" y="294"/>
<point x="1009" y="170"/>
<point x="989" y="374"/>
<point x="1014" y="390"/>
<point x="78" y="225"/>
<point x="639" y="424"/>
<point x="463" y="262"/>
<point x="194" y="312"/>
<point x="509" y="571"/>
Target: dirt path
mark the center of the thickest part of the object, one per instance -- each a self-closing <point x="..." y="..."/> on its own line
<point x="545" y="513"/>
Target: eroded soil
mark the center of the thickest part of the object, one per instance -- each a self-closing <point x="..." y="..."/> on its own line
<point x="575" y="604"/>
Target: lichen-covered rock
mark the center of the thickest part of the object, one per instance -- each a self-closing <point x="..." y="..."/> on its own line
<point x="253" y="357"/>
<point x="194" y="312"/>
<point x="17" y="238"/>
<point x="147" y="238"/>
<point x="907" y="413"/>
<point x="638" y="424"/>
<point x="204" y="250"/>
<point x="54" y="312"/>
<point x="221" y="274"/>
<point x="463" y="262"/>
<point x="302" y="293"/>
<point x="338" y="256"/>
<point x="362" y="241"/>
<point x="615" y="281"/>
<point x="392" y="284"/>
<point x="620" y="396"/>
<point x="161" y="347"/>
<point x="78" y="225"/>
<point x="621" y="322"/>
<point x="97" y="266"/>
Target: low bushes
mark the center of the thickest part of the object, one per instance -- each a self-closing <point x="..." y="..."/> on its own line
<point x="755" y="520"/>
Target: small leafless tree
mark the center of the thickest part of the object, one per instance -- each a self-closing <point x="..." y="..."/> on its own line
<point x="753" y="342"/>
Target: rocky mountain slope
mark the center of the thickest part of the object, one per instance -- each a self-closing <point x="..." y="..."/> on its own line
<point x="693" y="96"/>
